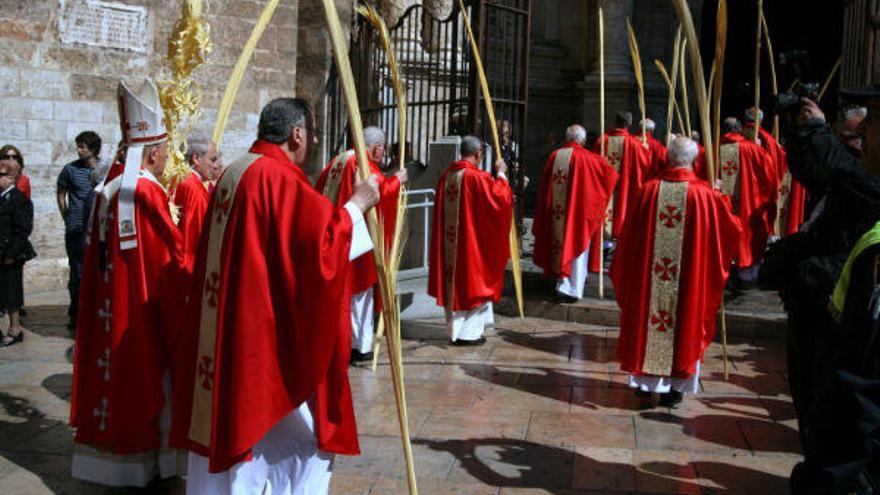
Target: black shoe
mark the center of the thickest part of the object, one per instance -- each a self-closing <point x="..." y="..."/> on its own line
<point x="671" y="399"/>
<point x="359" y="357"/>
<point x="642" y="394"/>
<point x="467" y="343"/>
<point x="565" y="299"/>
<point x="9" y="340"/>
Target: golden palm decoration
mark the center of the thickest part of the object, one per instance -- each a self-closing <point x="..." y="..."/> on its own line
<point x="180" y="96"/>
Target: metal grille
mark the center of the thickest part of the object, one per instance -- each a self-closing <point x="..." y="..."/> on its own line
<point x="434" y="68"/>
<point x="442" y="90"/>
<point x="861" y="45"/>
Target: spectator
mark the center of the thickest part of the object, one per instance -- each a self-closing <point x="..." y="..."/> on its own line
<point x="13" y="155"/>
<point x="16" y="223"/>
<point x="848" y="128"/>
<point x="805" y="266"/>
<point x="75" y="184"/>
<point x="841" y="445"/>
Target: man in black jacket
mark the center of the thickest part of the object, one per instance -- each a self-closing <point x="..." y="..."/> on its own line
<point x="806" y="265"/>
<point x="833" y="361"/>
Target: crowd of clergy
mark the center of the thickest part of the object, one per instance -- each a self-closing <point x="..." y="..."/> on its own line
<point x="277" y="283"/>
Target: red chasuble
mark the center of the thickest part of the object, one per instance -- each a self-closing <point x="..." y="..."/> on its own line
<point x="126" y="321"/>
<point x="669" y="274"/>
<point x="271" y="323"/>
<point x="191" y="197"/>
<point x="337" y="184"/>
<point x="469" y="241"/>
<point x="575" y="190"/>
<point x="626" y="154"/>
<point x="748" y="177"/>
<point x="791" y="197"/>
<point x="658" y="155"/>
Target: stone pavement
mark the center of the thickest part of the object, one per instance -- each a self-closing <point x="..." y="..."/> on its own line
<point x="540" y="409"/>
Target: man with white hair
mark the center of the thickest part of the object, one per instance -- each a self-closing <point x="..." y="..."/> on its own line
<point x="669" y="274"/>
<point x="791" y="196"/>
<point x="658" y="151"/>
<point x="848" y="129"/>
<point x="337" y="184"/>
<point x="748" y="177"/>
<point x="191" y="195"/>
<point x="575" y="189"/>
<point x="469" y="243"/>
<point x="126" y="327"/>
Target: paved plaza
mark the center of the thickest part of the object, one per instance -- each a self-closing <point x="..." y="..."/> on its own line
<point x="540" y="409"/>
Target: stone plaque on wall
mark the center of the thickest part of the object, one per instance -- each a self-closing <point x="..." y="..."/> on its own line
<point x="104" y="24"/>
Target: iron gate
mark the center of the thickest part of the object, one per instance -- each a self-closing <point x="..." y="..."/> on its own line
<point x="437" y="69"/>
<point x="861" y="43"/>
<point x="442" y="88"/>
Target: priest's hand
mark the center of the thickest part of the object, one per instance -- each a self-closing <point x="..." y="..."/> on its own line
<point x="366" y="192"/>
<point x="402" y="175"/>
<point x="501" y="168"/>
<point x="810" y="111"/>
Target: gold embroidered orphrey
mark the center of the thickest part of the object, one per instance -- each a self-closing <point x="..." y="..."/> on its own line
<point x="730" y="172"/>
<point x="665" y="276"/>
<point x="614" y="156"/>
<point x="451" y="206"/>
<point x="334" y="177"/>
<point x="783" y="204"/>
<point x="559" y="194"/>
<point x="200" y="425"/>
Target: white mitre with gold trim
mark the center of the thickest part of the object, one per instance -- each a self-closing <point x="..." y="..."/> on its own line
<point x="143" y="124"/>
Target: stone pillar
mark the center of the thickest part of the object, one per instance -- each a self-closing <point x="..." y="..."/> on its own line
<point x="620" y="90"/>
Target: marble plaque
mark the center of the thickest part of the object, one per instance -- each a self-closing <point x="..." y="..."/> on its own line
<point x="104" y="24"/>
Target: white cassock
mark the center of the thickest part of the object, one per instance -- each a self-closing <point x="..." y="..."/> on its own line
<point x="470" y="325"/>
<point x="286" y="461"/>
<point x="662" y="384"/>
<point x="573" y="285"/>
<point x="136" y="470"/>
<point x="362" y="321"/>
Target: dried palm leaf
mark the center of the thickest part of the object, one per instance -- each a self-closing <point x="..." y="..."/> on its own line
<point x="390" y="311"/>
<point x="637" y="70"/>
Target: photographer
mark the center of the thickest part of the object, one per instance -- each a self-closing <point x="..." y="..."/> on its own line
<point x="805" y="266"/>
<point x="820" y="349"/>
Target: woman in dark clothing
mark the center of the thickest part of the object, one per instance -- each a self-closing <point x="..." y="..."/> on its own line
<point x="16" y="223"/>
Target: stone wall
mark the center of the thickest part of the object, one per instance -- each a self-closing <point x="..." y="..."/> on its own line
<point x="51" y="90"/>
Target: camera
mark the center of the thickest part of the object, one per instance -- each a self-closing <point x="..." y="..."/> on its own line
<point x="791" y="101"/>
<point x="798" y="65"/>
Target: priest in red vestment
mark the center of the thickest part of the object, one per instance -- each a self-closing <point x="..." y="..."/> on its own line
<point x="191" y="195"/>
<point x="262" y="398"/>
<point x="575" y="189"/>
<point x="337" y="184"/>
<point x="632" y="161"/>
<point x="748" y="177"/>
<point x="125" y="331"/>
<point x="669" y="274"/>
<point x="791" y="197"/>
<point x="657" y="149"/>
<point x="469" y="243"/>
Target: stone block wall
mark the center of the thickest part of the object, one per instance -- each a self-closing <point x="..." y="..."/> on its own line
<point x="51" y="90"/>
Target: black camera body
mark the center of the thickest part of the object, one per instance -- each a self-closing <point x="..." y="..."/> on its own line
<point x="799" y="66"/>
<point x="791" y="101"/>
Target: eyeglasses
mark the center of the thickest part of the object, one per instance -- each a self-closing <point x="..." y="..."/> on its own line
<point x="4" y="174"/>
<point x="10" y="156"/>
